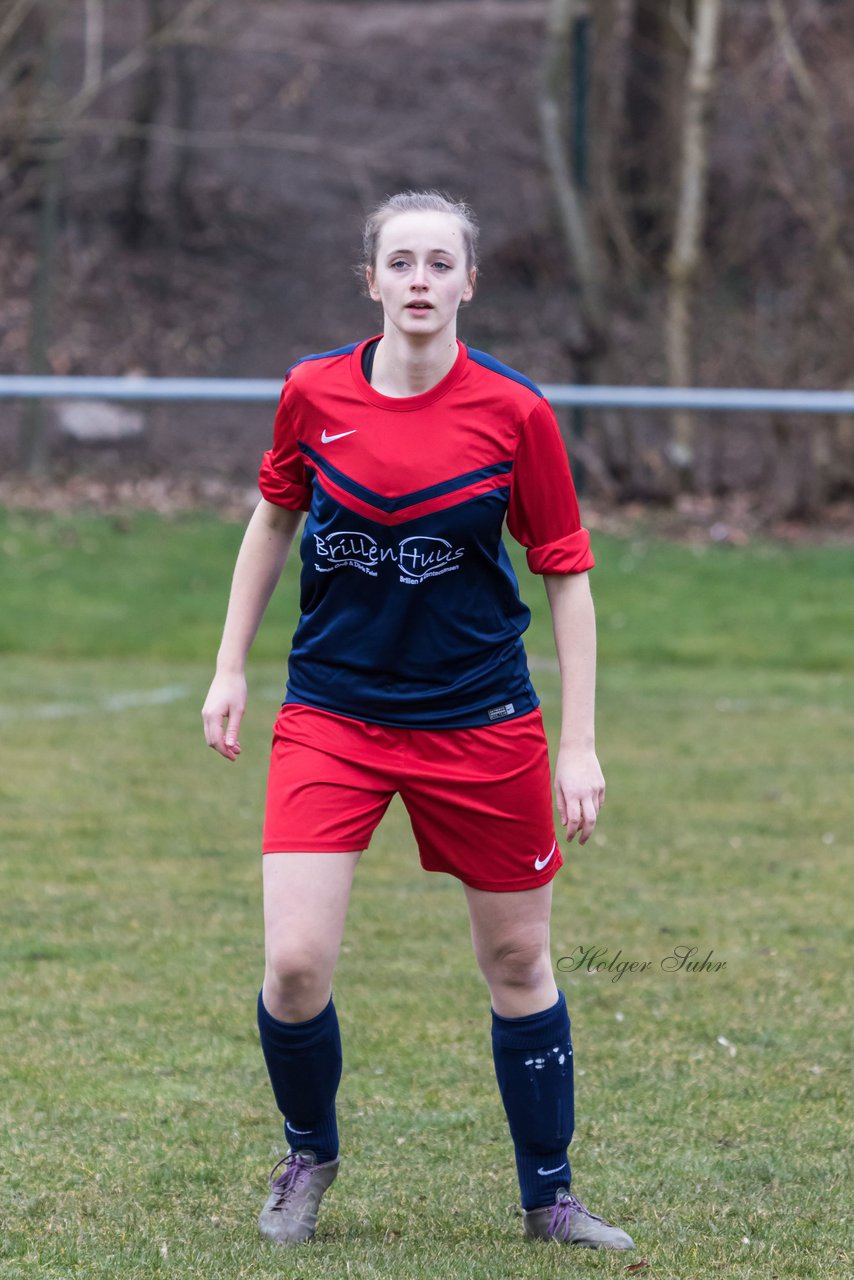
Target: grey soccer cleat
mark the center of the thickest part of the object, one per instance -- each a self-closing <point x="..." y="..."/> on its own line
<point x="568" y="1222"/>
<point x="290" y="1214"/>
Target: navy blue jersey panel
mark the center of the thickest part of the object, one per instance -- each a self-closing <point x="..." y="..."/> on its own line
<point x="325" y="355"/>
<point x="489" y="362"/>
<point x="415" y="624"/>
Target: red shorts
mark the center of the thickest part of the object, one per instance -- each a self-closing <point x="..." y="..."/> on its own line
<point x="479" y="799"/>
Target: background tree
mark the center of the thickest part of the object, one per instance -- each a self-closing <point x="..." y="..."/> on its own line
<point x="585" y="258"/>
<point x="684" y="260"/>
<point x="307" y="113"/>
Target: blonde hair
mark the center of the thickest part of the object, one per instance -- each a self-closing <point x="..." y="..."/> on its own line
<point x="420" y="201"/>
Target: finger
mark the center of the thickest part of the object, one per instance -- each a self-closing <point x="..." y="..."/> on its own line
<point x="226" y="751"/>
<point x="588" y="819"/>
<point x="213" y="727"/>
<point x="573" y="818"/>
<point x="232" y="738"/>
<point x="229" y="748"/>
<point x="214" y="736"/>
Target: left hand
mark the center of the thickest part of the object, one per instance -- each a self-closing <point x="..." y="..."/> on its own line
<point x="579" y="790"/>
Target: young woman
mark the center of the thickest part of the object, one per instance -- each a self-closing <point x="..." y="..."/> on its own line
<point x="407" y="674"/>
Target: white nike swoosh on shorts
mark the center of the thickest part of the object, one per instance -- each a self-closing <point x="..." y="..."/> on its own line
<point x="326" y="438"/>
<point x="539" y="864"/>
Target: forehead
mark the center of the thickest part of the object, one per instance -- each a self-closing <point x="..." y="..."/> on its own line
<point x="428" y="229"/>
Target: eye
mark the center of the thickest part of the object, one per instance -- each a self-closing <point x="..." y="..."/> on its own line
<point x="398" y="262"/>
<point x="444" y="265"/>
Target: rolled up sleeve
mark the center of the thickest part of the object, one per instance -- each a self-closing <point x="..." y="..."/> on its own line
<point x="543" y="513"/>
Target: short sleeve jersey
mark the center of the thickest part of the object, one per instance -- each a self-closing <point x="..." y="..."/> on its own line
<point x="410" y="611"/>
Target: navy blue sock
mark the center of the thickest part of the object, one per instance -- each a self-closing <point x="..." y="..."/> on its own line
<point x="304" y="1062"/>
<point x="533" y="1064"/>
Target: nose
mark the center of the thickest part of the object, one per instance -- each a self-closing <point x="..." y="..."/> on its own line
<point x="418" y="281"/>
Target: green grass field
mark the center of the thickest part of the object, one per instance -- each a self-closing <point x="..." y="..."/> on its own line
<point x="136" y="1123"/>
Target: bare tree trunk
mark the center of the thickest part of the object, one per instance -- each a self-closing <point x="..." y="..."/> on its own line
<point x="618" y="22"/>
<point x="842" y="455"/>
<point x="614" y="26"/>
<point x="819" y="133"/>
<point x="33" y="453"/>
<point x="135" y="218"/>
<point x="23" y="51"/>
<point x="658" y="48"/>
<point x="833" y="266"/>
<point x="684" y="261"/>
<point x="183" y="209"/>
<point x="93" y="66"/>
<point x="582" y="248"/>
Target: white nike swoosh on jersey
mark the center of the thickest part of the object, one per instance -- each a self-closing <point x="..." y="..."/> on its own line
<point x="557" y="1170"/>
<point x="327" y="438"/>
<point x="539" y="864"/>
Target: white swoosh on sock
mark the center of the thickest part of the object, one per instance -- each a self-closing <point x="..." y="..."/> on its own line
<point x="557" y="1170"/>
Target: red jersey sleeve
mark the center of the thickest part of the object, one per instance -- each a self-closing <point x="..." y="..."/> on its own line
<point x="282" y="478"/>
<point x="543" y="511"/>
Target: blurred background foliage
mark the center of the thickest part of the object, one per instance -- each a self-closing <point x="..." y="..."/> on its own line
<point x="665" y="188"/>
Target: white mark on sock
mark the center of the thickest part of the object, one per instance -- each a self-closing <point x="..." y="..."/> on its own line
<point x="544" y="1172"/>
<point x="288" y="1125"/>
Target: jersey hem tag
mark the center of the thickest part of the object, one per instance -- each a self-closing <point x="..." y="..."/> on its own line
<point x="502" y="712"/>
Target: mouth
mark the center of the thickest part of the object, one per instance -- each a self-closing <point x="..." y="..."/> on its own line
<point x="419" y="306"/>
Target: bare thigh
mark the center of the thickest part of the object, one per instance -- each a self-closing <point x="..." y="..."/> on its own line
<point x="305" y="909"/>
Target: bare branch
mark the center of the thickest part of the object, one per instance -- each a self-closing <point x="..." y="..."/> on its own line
<point x="792" y="54"/>
<point x="13" y="20"/>
<point x="826" y="220"/>
<point x="380" y="157"/>
<point x="137" y="58"/>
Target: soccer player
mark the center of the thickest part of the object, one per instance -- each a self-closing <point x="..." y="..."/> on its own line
<point x="407" y="674"/>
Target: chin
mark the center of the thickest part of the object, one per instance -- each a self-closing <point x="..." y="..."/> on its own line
<point x="430" y="324"/>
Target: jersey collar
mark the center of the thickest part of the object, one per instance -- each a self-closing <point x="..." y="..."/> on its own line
<point x="405" y="404"/>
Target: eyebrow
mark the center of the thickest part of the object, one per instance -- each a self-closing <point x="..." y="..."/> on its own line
<point x="448" y="253"/>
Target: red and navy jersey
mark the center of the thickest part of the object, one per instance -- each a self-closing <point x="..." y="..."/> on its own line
<point x="410" y="608"/>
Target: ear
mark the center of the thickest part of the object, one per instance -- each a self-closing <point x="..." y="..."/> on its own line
<point x="372" y="288"/>
<point x="471" y="280"/>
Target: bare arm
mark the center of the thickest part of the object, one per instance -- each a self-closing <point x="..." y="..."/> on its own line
<point x="260" y="561"/>
<point x="579" y="784"/>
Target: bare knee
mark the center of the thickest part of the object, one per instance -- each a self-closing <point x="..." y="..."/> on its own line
<point x="297" y="983"/>
<point x="516" y="965"/>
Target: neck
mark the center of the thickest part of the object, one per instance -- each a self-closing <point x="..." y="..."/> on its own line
<point x="406" y="366"/>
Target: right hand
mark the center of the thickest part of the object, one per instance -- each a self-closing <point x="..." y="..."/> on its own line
<point x="226" y="702"/>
